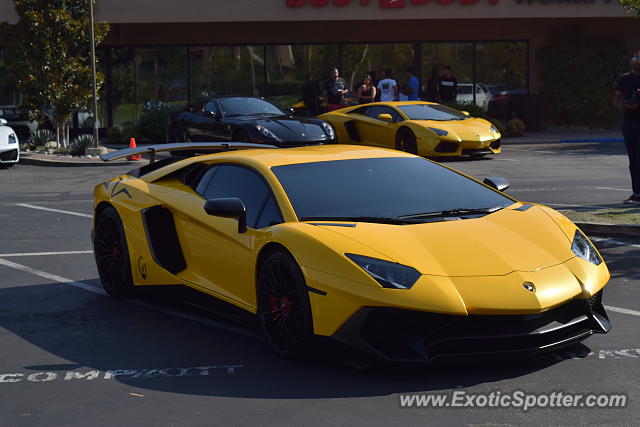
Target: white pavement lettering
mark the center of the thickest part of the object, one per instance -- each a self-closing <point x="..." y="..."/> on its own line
<point x="194" y="371"/>
<point x="42" y="208"/>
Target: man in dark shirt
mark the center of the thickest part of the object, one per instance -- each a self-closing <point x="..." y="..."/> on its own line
<point x="627" y="97"/>
<point x="448" y="86"/>
<point x="334" y="90"/>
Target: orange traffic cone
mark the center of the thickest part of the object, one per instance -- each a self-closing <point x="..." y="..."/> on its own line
<point x="132" y="144"/>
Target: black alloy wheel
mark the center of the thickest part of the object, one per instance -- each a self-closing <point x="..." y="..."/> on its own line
<point x="111" y="253"/>
<point x="284" y="309"/>
<point x="406" y="141"/>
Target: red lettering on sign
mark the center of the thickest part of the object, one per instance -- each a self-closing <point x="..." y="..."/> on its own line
<point x="319" y="3"/>
<point x="419" y="2"/>
<point x="391" y="4"/>
<point x="364" y="2"/>
<point x="296" y="3"/>
<point x="469" y="1"/>
<point x="341" y="2"/>
<point x="445" y="2"/>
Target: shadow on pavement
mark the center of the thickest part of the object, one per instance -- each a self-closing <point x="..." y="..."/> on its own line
<point x="94" y="332"/>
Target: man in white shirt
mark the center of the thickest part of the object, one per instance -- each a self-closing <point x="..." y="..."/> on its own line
<point x="388" y="88"/>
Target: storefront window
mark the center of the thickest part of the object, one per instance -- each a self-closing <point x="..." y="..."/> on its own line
<point x="161" y="76"/>
<point x="123" y="83"/>
<point x="297" y="72"/>
<point x="437" y="56"/>
<point x="7" y="88"/>
<point x="374" y="59"/>
<point x="226" y="70"/>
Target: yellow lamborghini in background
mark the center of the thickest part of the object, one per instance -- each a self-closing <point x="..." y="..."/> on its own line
<point x="388" y="252"/>
<point x="423" y="128"/>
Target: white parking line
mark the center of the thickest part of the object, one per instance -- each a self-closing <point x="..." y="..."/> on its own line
<point x="140" y="303"/>
<point x="41" y="208"/>
<point x="611" y="188"/>
<point x="44" y="253"/>
<point x="622" y="310"/>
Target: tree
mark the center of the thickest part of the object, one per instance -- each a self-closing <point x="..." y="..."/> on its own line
<point x="51" y="63"/>
<point x="632" y="6"/>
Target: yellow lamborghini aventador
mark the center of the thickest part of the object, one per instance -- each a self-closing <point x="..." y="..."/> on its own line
<point x="423" y="128"/>
<point x="385" y="251"/>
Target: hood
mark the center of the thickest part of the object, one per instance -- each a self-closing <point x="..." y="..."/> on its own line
<point x="288" y="128"/>
<point x="471" y="129"/>
<point x="494" y="245"/>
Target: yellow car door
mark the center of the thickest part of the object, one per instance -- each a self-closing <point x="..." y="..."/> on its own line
<point x="377" y="126"/>
<point x="220" y="254"/>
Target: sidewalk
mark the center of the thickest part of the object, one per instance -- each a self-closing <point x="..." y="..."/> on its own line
<point x="567" y="137"/>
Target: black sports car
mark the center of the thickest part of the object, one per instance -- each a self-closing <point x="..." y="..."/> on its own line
<point x="246" y="119"/>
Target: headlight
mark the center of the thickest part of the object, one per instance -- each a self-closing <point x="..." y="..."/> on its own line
<point x="440" y="132"/>
<point x="12" y="138"/>
<point x="265" y="132"/>
<point x="388" y="274"/>
<point x="329" y="130"/>
<point x="583" y="248"/>
<point x="494" y="129"/>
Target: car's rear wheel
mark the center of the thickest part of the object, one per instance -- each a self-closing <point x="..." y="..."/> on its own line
<point x="178" y="134"/>
<point x="406" y="141"/>
<point x="6" y="165"/>
<point x="112" y="254"/>
<point x="284" y="309"/>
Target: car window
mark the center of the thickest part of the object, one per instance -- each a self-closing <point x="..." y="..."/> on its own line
<point x="376" y="110"/>
<point x="436" y="112"/>
<point x="270" y="214"/>
<point x="211" y="107"/>
<point x="240" y="182"/>
<point x="380" y="187"/>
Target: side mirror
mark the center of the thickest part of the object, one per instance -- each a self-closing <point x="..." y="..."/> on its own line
<point x="385" y="117"/>
<point x="209" y="114"/>
<point x="466" y="113"/>
<point x="3" y="122"/>
<point x="497" y="182"/>
<point x="229" y="207"/>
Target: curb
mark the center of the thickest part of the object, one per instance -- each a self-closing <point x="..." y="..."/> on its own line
<point x="506" y="141"/>
<point x="622" y="230"/>
<point x="61" y="163"/>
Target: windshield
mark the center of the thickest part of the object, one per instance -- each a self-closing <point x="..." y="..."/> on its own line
<point x="431" y="112"/>
<point x="247" y="107"/>
<point x="464" y="90"/>
<point x="383" y="187"/>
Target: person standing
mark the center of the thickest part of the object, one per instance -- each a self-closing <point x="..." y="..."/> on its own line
<point x="448" y="86"/>
<point x="432" y="85"/>
<point x="388" y="87"/>
<point x="366" y="91"/>
<point x="414" y="84"/>
<point x="334" y="90"/>
<point x="627" y="97"/>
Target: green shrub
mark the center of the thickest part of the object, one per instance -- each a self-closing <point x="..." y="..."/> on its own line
<point x="80" y="144"/>
<point x="114" y="135"/>
<point x="153" y="125"/>
<point x="39" y="139"/>
<point x="127" y="133"/>
<point x="578" y="70"/>
<point x="515" y="127"/>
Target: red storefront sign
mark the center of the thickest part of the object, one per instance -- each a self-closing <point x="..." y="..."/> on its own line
<point x="382" y="4"/>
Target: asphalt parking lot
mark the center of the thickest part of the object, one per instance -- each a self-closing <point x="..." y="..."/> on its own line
<point x="69" y="355"/>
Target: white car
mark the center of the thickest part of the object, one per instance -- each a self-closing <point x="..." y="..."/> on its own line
<point x="9" y="146"/>
<point x="465" y="95"/>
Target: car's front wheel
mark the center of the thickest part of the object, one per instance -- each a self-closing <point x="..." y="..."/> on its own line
<point x="284" y="309"/>
<point x="112" y="254"/>
<point x="406" y="141"/>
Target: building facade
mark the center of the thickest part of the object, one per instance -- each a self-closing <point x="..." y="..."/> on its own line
<point x="179" y="52"/>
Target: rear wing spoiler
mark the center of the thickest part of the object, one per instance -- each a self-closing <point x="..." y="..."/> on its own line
<point x="152" y="150"/>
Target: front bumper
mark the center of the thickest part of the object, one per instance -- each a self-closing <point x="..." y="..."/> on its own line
<point x="399" y="335"/>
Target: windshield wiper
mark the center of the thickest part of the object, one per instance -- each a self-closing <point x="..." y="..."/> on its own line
<point x="453" y="212"/>
<point x="374" y="219"/>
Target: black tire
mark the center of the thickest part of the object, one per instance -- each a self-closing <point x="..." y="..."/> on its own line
<point x="177" y="134"/>
<point x="406" y="141"/>
<point x="112" y="254"/>
<point x="6" y="165"/>
<point x="284" y="309"/>
<point x="240" y="135"/>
